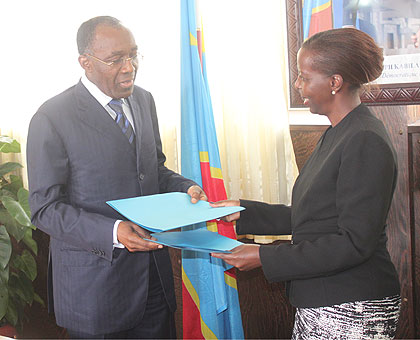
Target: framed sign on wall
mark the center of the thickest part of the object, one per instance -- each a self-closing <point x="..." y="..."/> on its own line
<point x="395" y="26"/>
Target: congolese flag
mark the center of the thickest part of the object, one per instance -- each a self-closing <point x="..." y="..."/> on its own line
<point x="317" y="17"/>
<point x="210" y="296"/>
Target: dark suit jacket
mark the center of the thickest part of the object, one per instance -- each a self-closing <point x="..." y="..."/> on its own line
<point x="78" y="159"/>
<point x="337" y="219"/>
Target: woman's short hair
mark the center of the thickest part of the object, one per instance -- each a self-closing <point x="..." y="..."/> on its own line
<point x="346" y="51"/>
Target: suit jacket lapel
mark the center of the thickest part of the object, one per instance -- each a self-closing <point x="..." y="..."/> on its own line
<point x="95" y="115"/>
<point x="137" y="112"/>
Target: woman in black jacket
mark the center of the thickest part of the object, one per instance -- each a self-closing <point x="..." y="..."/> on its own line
<point x="339" y="272"/>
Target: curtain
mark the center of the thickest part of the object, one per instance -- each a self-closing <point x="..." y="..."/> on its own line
<point x="246" y="67"/>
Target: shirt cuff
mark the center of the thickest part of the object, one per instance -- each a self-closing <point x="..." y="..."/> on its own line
<point x="116" y="243"/>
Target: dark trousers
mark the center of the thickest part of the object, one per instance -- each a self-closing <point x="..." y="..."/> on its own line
<point x="157" y="322"/>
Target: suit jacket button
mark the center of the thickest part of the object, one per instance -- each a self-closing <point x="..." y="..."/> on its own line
<point x="141" y="177"/>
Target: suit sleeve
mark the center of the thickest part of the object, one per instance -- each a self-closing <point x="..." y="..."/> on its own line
<point x="51" y="210"/>
<point x="365" y="184"/>
<point x="260" y="218"/>
<point x="168" y="180"/>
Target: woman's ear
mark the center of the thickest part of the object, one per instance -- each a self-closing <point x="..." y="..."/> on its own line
<point x="336" y="82"/>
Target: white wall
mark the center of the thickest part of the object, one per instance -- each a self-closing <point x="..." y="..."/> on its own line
<point x="39" y="52"/>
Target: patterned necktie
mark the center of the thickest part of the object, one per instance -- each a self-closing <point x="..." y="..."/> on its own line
<point x="121" y="119"/>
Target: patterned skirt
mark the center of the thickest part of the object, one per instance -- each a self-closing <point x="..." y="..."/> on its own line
<point x="372" y="319"/>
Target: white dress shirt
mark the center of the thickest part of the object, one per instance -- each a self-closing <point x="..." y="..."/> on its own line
<point x="104" y="100"/>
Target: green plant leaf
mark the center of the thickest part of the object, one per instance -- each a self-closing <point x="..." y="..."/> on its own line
<point x="16" y="271"/>
<point x="16" y="210"/>
<point x="30" y="242"/>
<point x="15" y="183"/>
<point x="8" y="193"/>
<point x="16" y="306"/>
<point x="4" y="297"/>
<point x="8" y="144"/>
<point x="13" y="227"/>
<point x="7" y="167"/>
<point x="38" y="299"/>
<point x="22" y="287"/>
<point x="5" y="247"/>
<point x="23" y="196"/>
<point x="12" y="314"/>
<point x="26" y="263"/>
<point x="4" y="275"/>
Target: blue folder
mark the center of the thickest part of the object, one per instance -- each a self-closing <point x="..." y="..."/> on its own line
<point x="198" y="239"/>
<point x="162" y="212"/>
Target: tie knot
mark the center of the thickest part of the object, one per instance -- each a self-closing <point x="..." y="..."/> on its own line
<point x="121" y="119"/>
<point x="116" y="105"/>
<point x="116" y="101"/>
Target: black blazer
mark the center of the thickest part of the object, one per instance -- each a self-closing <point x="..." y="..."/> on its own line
<point x="337" y="219"/>
<point x="78" y="159"/>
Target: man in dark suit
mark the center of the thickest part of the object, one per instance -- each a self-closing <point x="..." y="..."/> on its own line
<point x="98" y="141"/>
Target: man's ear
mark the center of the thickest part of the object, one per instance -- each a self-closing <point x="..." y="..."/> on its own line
<point x="84" y="61"/>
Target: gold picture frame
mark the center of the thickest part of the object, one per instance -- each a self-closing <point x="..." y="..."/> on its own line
<point x="383" y="94"/>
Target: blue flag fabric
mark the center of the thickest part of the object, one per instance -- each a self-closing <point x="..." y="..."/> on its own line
<point x="316" y="17"/>
<point x="210" y="297"/>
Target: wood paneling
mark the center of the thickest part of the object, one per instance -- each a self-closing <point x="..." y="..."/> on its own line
<point x="304" y="139"/>
<point x="396" y="119"/>
<point x="414" y="180"/>
<point x="401" y="240"/>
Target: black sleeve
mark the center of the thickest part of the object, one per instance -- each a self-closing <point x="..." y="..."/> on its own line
<point x="260" y="218"/>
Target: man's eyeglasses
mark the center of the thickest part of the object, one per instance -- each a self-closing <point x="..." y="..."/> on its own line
<point x="116" y="63"/>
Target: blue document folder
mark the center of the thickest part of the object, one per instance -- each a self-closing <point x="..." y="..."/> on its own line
<point x="198" y="239"/>
<point x="168" y="211"/>
<point x="162" y="212"/>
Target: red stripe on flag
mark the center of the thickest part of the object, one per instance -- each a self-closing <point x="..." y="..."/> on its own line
<point x="215" y="190"/>
<point x="231" y="272"/>
<point x="191" y="317"/>
<point x="320" y="21"/>
<point x="226" y="229"/>
<point x="200" y="47"/>
<point x="214" y="187"/>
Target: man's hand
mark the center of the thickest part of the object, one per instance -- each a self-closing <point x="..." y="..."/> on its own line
<point x="244" y="257"/>
<point x="197" y="194"/>
<point x="228" y="203"/>
<point x="132" y="237"/>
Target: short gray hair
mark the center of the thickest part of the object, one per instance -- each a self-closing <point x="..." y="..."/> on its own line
<point x="86" y="31"/>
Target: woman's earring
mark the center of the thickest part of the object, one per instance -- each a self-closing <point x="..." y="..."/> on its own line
<point x="333" y="92"/>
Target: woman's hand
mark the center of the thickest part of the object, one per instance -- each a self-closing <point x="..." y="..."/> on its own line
<point x="228" y="203"/>
<point x="244" y="257"/>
